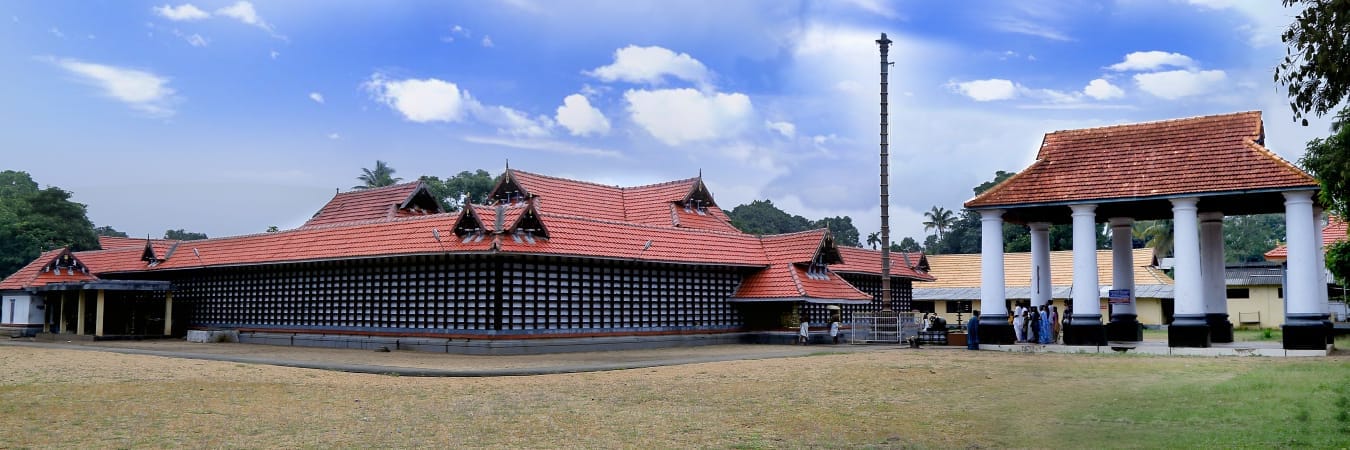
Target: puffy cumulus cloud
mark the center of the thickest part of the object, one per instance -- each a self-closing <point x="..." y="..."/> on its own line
<point x="986" y="90"/>
<point x="183" y="12"/>
<point x="1152" y="60"/>
<point x="651" y="65"/>
<point x="1176" y="84"/>
<point x="580" y="118"/>
<point x="1101" y="89"/>
<point x="141" y="90"/>
<point x="787" y="129"/>
<point x="317" y="97"/>
<point x="676" y="116"/>
<point x="425" y="100"/>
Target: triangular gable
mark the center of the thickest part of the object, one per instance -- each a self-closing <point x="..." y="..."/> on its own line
<point x="508" y="190"/>
<point x="529" y="223"/>
<point x="148" y="255"/>
<point x="420" y="201"/>
<point x="382" y="203"/>
<point x="805" y="247"/>
<point x="468" y="223"/>
<point x="699" y="197"/>
<point x="54" y="266"/>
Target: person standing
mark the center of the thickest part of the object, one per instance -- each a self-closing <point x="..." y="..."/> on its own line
<point x="1045" y="325"/>
<point x="1054" y="322"/>
<point x="1020" y="323"/>
<point x="973" y="331"/>
<point x="804" y="333"/>
<point x="834" y="331"/>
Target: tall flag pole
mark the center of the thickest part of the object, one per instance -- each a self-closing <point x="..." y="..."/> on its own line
<point x="885" y="45"/>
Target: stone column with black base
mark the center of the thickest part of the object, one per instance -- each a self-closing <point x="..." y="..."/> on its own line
<point x="1124" y="324"/>
<point x="1085" y="325"/>
<point x="1188" y="328"/>
<point x="994" y="326"/>
<point x="1212" y="277"/>
<point x="1305" y="320"/>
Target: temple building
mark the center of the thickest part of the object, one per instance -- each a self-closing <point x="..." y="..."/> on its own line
<point x="590" y="265"/>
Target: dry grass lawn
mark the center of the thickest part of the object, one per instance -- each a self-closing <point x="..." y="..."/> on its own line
<point x="894" y="398"/>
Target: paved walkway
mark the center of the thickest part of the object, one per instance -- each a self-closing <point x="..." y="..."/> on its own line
<point x="422" y="364"/>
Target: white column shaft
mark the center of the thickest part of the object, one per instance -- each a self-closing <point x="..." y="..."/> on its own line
<point x="1189" y="288"/>
<point x="1319" y="221"/>
<point x="1086" y="290"/>
<point x="1041" y="289"/>
<point x="1122" y="261"/>
<point x="993" y="296"/>
<point x="1301" y="294"/>
<point x="1212" y="263"/>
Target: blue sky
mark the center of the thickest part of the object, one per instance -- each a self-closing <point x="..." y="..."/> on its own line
<point x="226" y="117"/>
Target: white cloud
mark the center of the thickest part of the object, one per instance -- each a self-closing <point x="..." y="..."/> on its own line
<point x="429" y="100"/>
<point x="1101" y="89"/>
<point x="57" y="32"/>
<point x="274" y="54"/>
<point x="181" y="12"/>
<point x="1265" y="20"/>
<point x="243" y="11"/>
<point x="139" y="89"/>
<point x="334" y="136"/>
<point x="317" y="97"/>
<point x="580" y="118"/>
<point x="986" y="90"/>
<point x="787" y="129"/>
<point x="878" y="7"/>
<point x="651" y="65"/>
<point x="510" y="121"/>
<point x="487" y="41"/>
<point x="676" y="116"/>
<point x="544" y="145"/>
<point x="1153" y="60"/>
<point x="1175" y="84"/>
<point x="196" y="40"/>
<point x="1027" y="27"/>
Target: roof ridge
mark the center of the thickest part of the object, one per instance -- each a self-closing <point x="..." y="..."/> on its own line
<point x="610" y="186"/>
<point x="1155" y="122"/>
<point x="663" y="183"/>
<point x="643" y="225"/>
<point x="326" y="226"/>
<point x="379" y="188"/>
<point x="813" y="230"/>
<point x="801" y="290"/>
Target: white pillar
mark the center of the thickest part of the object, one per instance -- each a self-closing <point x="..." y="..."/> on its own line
<point x="993" y="296"/>
<point x="1041" y="289"/>
<point x="1301" y="295"/>
<point x="1189" y="287"/>
<point x="1320" y="221"/>
<point x="1211" y="263"/>
<point x="1086" y="290"/>
<point x="1122" y="262"/>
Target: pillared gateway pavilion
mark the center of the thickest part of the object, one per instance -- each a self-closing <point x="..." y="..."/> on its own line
<point x="586" y="264"/>
<point x="1193" y="171"/>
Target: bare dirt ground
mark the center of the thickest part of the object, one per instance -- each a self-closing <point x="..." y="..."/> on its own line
<point x="803" y="397"/>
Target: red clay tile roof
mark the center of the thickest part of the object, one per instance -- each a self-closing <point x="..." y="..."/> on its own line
<point x="790" y="282"/>
<point x="1333" y="232"/>
<point x="35" y="274"/>
<point x="369" y="204"/>
<point x="868" y="262"/>
<point x="799" y="247"/>
<point x="584" y="236"/>
<point x="1209" y="154"/>
<point x="655" y="204"/>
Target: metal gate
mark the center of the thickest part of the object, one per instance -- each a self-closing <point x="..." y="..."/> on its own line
<point x="885" y="327"/>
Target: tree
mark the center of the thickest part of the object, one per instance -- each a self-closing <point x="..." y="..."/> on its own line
<point x="874" y="239"/>
<point x="108" y="231"/>
<point x="183" y="235"/>
<point x="1314" y="69"/>
<point x="381" y="176"/>
<point x="1248" y="238"/>
<point x="842" y="228"/>
<point x="461" y="190"/>
<point x="762" y="217"/>
<point x="939" y="219"/>
<point x="908" y="244"/>
<point x="1156" y="234"/>
<point x="34" y="220"/>
<point x="273" y="229"/>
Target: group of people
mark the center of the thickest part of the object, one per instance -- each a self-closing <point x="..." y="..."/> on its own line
<point x="1036" y="324"/>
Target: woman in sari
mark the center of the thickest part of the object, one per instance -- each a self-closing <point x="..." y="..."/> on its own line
<point x="1045" y="324"/>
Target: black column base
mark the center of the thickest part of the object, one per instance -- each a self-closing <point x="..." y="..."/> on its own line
<point x="1305" y="332"/>
<point x="1085" y="330"/>
<point x="1124" y="327"/>
<point x="1220" y="329"/>
<point x="1188" y="331"/>
<point x="996" y="330"/>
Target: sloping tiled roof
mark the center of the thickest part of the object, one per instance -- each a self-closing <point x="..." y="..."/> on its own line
<point x="787" y="281"/>
<point x="366" y="204"/>
<point x="1334" y="231"/>
<point x="1210" y="154"/>
<point x="34" y="275"/>
<point x="864" y="261"/>
<point x="584" y="236"/>
<point x="963" y="270"/>
<point x="799" y="247"/>
<point x="654" y="204"/>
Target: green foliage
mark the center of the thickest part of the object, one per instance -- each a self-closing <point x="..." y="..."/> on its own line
<point x="460" y="190"/>
<point x="382" y="175"/>
<point x="842" y="228"/>
<point x="183" y="235"/>
<point x="874" y="239"/>
<point x="1329" y="161"/>
<point x="108" y="231"/>
<point x="1314" y="69"/>
<point x="1338" y="261"/>
<point x="908" y="244"/>
<point x="1248" y="238"/>
<point x="939" y="219"/>
<point x="273" y="229"/>
<point x="762" y="217"/>
<point x="33" y="220"/>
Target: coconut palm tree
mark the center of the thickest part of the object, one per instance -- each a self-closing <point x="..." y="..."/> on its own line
<point x="1156" y="234"/>
<point x="873" y="239"/>
<point x="383" y="175"/>
<point x="939" y="219"/>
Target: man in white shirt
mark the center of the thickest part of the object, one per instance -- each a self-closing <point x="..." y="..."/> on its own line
<point x="804" y="334"/>
<point x="1019" y="323"/>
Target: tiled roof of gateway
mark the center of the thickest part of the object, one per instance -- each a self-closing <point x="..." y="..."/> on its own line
<point x="370" y="204"/>
<point x="955" y="271"/>
<point x="791" y="281"/>
<point x="1333" y="232"/>
<point x="37" y="273"/>
<point x="1208" y="154"/>
<point x="864" y="261"/>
